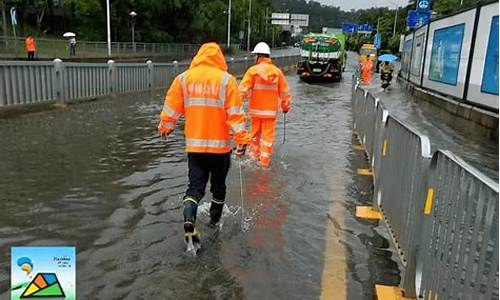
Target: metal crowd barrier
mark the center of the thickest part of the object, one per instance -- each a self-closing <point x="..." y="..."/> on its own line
<point x="23" y="82"/>
<point x="442" y="213"/>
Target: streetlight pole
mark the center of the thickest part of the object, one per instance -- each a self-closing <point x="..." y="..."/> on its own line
<point x="108" y="23"/>
<point x="133" y="14"/>
<point x="229" y="25"/>
<point x="249" y="27"/>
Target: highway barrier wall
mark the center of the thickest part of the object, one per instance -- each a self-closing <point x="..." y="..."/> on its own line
<point x="456" y="56"/>
<point x="24" y="83"/>
<point x="442" y="213"/>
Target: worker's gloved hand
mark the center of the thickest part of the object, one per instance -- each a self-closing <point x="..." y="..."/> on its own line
<point x="285" y="107"/>
<point x="164" y="134"/>
<point x="240" y="149"/>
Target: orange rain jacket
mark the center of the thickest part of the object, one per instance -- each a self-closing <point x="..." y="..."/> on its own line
<point x="265" y="85"/>
<point x="208" y="98"/>
<point x="30" y="44"/>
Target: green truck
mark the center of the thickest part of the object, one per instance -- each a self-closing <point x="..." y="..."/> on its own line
<point x="323" y="57"/>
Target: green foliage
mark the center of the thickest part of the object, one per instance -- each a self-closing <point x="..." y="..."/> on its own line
<point x="195" y="21"/>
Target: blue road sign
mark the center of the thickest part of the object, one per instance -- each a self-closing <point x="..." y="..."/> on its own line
<point x="423" y="5"/>
<point x="348" y="27"/>
<point x="418" y="18"/>
<point x="377" y="40"/>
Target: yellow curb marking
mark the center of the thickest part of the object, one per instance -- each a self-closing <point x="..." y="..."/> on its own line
<point x="365" y="172"/>
<point x="428" y="201"/>
<point x="385" y="292"/>
<point x="384" y="148"/>
<point x="367" y="212"/>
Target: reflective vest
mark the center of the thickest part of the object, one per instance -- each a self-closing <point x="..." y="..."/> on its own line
<point x="208" y="98"/>
<point x="266" y="89"/>
<point x="30" y="44"/>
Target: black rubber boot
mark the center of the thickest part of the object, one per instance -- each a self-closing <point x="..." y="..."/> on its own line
<point x="216" y="211"/>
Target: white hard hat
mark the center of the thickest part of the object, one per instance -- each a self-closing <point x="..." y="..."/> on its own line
<point x="261" y="48"/>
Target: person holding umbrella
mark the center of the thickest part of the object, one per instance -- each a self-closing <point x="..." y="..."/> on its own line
<point x="386" y="69"/>
<point x="72" y="42"/>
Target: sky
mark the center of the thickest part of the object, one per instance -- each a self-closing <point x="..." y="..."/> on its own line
<point x="356" y="4"/>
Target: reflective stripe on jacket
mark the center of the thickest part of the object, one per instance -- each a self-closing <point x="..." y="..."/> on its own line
<point x="208" y="98"/>
<point x="265" y="86"/>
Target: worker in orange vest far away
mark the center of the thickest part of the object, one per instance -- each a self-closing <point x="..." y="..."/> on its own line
<point x="30" y="47"/>
<point x="265" y="86"/>
<point x="366" y="70"/>
<point x="208" y="98"/>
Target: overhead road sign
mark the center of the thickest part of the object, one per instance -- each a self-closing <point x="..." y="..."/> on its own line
<point x="348" y="27"/>
<point x="299" y="20"/>
<point x="364" y="28"/>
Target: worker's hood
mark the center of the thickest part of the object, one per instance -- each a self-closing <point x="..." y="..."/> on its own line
<point x="266" y="70"/>
<point x="210" y="55"/>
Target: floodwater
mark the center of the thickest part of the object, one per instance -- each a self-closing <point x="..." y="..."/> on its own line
<point x="97" y="176"/>
<point x="444" y="130"/>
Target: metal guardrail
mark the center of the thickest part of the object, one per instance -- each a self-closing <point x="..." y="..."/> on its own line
<point x="442" y="213"/>
<point x="51" y="48"/>
<point x="23" y="82"/>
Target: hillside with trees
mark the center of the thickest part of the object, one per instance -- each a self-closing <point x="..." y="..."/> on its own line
<point x="193" y="21"/>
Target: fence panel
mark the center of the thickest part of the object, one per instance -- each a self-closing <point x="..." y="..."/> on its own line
<point x="131" y="77"/>
<point x="163" y="75"/>
<point x="400" y="187"/>
<point x="26" y="82"/>
<point x="442" y="213"/>
<point x="459" y="255"/>
<point x="85" y="80"/>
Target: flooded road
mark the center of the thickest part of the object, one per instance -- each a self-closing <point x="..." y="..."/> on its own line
<point x="97" y="176"/>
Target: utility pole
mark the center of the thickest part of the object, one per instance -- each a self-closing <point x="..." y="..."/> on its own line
<point x="108" y="22"/>
<point x="249" y="25"/>
<point x="229" y="25"/>
<point x="395" y="20"/>
<point x="4" y="22"/>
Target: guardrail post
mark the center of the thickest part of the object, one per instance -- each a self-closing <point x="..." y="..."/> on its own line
<point x="231" y="62"/>
<point x="111" y="76"/>
<point x="150" y="66"/>
<point x="246" y="62"/>
<point x="58" y="79"/>
<point x="176" y="67"/>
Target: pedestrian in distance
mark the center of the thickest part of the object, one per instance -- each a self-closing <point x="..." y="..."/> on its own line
<point x="366" y="70"/>
<point x="208" y="98"/>
<point x="72" y="46"/>
<point x="30" y="45"/>
<point x="265" y="88"/>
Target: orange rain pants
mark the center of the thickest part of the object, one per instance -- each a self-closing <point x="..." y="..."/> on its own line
<point x="262" y="138"/>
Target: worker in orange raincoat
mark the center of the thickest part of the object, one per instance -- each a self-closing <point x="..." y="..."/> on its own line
<point x="266" y="88"/>
<point x="30" y="47"/>
<point x="208" y="98"/>
<point x="366" y="70"/>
